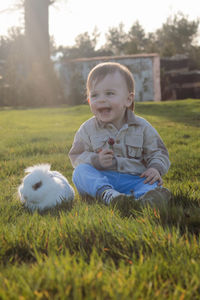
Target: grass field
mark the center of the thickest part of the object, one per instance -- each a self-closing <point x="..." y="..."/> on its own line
<point x="91" y="251"/>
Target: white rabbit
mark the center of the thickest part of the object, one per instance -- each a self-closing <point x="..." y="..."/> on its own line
<point x="42" y="188"/>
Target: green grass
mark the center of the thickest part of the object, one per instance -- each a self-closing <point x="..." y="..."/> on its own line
<point x="90" y="251"/>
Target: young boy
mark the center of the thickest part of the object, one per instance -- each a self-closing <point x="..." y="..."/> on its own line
<point x="117" y="154"/>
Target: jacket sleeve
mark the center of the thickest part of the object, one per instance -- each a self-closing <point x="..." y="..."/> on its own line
<point x="155" y="153"/>
<point x="80" y="151"/>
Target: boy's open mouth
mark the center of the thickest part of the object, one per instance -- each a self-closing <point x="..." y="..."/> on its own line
<point x="104" y="110"/>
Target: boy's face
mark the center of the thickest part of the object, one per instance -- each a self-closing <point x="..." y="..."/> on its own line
<point x="109" y="99"/>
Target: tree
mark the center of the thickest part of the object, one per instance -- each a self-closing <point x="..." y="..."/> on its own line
<point x="85" y="46"/>
<point x="136" y="39"/>
<point x="151" y="43"/>
<point x="116" y="39"/>
<point x="133" y="42"/>
<point x="28" y="71"/>
<point x="18" y="86"/>
<point x="36" y="27"/>
<point x="37" y="30"/>
<point x="176" y="35"/>
<point x="39" y="68"/>
<point x="12" y="44"/>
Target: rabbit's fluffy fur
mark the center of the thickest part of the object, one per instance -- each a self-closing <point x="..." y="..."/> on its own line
<point x="42" y="188"/>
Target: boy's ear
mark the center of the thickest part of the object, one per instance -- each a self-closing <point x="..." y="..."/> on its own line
<point x="130" y="100"/>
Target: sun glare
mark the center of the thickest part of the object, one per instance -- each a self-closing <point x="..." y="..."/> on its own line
<point x="77" y="16"/>
<point x="68" y="19"/>
<point x="9" y="17"/>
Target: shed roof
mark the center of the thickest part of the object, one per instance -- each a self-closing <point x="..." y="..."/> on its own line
<point x="106" y="58"/>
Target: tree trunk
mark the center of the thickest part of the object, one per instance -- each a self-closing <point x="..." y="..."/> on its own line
<point x="37" y="30"/>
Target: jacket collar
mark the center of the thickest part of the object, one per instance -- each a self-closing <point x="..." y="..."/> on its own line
<point x="131" y="117"/>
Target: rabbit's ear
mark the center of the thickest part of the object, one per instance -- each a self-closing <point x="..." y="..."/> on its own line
<point x="29" y="169"/>
<point x="42" y="167"/>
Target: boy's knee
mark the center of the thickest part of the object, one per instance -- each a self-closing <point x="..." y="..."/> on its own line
<point x="82" y="167"/>
<point x="80" y="170"/>
<point x="77" y="171"/>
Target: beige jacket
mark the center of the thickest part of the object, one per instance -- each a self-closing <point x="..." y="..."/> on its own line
<point x="137" y="146"/>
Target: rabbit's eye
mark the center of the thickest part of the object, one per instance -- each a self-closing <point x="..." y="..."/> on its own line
<point x="37" y="185"/>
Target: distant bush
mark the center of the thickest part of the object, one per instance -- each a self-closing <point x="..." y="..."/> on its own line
<point x="76" y="93"/>
<point x="36" y="87"/>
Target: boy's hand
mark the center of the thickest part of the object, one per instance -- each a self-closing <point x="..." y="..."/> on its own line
<point x="106" y="158"/>
<point x="152" y="175"/>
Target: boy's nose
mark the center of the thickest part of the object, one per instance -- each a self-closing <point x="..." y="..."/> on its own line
<point x="101" y="99"/>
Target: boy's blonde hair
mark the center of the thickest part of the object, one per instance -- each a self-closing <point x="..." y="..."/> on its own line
<point x="103" y="69"/>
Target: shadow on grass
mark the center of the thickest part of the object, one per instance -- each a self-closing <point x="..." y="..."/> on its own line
<point x="185" y="213"/>
<point x="53" y="211"/>
<point x="182" y="212"/>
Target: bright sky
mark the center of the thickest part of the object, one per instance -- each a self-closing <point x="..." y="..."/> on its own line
<point x="68" y="18"/>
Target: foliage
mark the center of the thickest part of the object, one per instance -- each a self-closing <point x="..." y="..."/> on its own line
<point x="77" y="86"/>
<point x="91" y="251"/>
<point x="35" y="83"/>
<point x="116" y="39"/>
<point x="85" y="46"/>
<point x="176" y="35"/>
<point x="25" y="83"/>
<point x="136" y="39"/>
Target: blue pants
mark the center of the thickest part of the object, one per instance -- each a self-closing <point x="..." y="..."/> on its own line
<point x="90" y="181"/>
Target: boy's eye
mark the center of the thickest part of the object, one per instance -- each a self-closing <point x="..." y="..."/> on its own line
<point x="109" y="93"/>
<point x="93" y="95"/>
